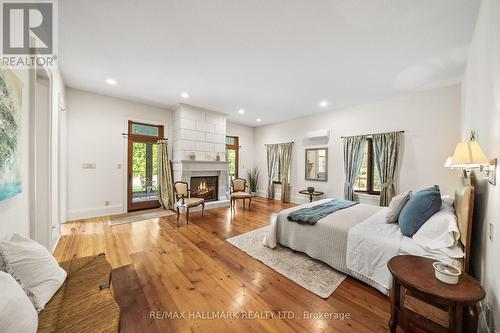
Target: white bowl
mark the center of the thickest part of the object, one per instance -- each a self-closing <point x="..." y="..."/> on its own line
<point x="446" y="273"/>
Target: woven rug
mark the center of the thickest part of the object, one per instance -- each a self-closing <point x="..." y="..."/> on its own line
<point x="307" y="272"/>
<point x="143" y="215"/>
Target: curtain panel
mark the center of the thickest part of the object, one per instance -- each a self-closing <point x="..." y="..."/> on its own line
<point x="165" y="183"/>
<point x="272" y="159"/>
<point x="354" y="148"/>
<point x="285" y="157"/>
<point x="386" y="149"/>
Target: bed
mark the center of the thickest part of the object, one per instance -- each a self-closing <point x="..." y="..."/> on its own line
<point x="357" y="242"/>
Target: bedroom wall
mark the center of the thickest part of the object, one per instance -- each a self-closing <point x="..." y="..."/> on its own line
<point x="431" y="120"/>
<point x="246" y="143"/>
<point x="95" y="124"/>
<point x="481" y="112"/>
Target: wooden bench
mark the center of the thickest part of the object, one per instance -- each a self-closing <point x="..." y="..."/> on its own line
<point x="84" y="303"/>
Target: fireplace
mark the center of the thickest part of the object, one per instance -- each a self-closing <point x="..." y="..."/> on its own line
<point x="206" y="187"/>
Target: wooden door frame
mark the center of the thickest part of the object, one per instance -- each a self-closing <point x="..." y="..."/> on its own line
<point x="139" y="138"/>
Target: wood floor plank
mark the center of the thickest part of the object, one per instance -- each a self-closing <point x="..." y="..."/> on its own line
<point x="191" y="269"/>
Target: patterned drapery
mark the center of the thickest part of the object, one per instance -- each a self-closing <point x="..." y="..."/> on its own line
<point x="165" y="187"/>
<point x="386" y="149"/>
<point x="354" y="148"/>
<point x="285" y="156"/>
<point x="272" y="159"/>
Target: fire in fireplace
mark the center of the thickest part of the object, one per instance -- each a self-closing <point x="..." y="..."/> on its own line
<point x="205" y="187"/>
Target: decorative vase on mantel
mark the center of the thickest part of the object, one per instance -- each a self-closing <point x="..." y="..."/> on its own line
<point x="192" y="156"/>
<point x="217" y="157"/>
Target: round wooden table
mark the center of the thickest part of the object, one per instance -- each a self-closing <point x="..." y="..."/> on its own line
<point x="311" y="194"/>
<point x="416" y="276"/>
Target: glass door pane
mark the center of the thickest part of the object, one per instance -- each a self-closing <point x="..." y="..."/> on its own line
<point x="231" y="158"/>
<point x="143" y="174"/>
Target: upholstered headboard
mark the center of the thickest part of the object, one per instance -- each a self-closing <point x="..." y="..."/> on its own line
<point x="464" y="208"/>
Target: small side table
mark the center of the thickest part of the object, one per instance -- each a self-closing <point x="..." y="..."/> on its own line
<point x="311" y="195"/>
<point x="416" y="276"/>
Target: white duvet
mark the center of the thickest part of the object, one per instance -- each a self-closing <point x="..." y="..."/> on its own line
<point x="370" y="245"/>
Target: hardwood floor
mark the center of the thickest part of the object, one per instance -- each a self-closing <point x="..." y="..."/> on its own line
<point x="160" y="268"/>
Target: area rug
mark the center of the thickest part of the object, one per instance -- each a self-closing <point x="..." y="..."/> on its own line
<point x="144" y="215"/>
<point x="307" y="272"/>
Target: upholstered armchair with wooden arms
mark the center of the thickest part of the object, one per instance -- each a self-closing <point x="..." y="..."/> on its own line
<point x="240" y="190"/>
<point x="184" y="200"/>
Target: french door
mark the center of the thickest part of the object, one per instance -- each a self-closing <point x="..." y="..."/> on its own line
<point x="143" y="165"/>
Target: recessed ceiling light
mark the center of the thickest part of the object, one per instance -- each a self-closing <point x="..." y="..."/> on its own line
<point x="111" y="81"/>
<point x="241" y="111"/>
<point x="185" y="95"/>
<point x="323" y="103"/>
<point x="259" y="120"/>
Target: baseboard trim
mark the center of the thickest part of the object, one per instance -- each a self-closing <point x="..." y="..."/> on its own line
<point x="85" y="213"/>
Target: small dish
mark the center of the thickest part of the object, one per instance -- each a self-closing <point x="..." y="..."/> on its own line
<point x="446" y="273"/>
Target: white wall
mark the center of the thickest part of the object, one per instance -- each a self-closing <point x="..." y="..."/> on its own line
<point x="481" y="112"/>
<point x="431" y="121"/>
<point x="15" y="211"/>
<point x="95" y="124"/>
<point x="246" y="143"/>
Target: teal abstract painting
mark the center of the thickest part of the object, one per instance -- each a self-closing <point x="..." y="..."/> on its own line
<point x="10" y="134"/>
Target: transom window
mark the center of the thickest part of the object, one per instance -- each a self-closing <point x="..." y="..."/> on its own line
<point x="368" y="180"/>
<point x="144" y="129"/>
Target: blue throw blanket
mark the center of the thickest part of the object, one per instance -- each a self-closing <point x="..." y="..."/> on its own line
<point x="311" y="215"/>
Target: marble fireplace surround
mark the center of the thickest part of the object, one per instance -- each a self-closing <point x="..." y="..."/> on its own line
<point x="185" y="169"/>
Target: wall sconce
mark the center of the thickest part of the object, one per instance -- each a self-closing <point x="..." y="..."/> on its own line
<point x="469" y="155"/>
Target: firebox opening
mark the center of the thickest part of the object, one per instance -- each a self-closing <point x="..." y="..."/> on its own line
<point x="205" y="187"/>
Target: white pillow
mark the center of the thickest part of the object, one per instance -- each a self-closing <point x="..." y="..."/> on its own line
<point x="396" y="206"/>
<point x="447" y="201"/>
<point x="34" y="268"/>
<point x="440" y="232"/>
<point x="17" y="314"/>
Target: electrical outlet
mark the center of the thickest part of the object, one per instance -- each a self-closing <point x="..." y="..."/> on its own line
<point x="89" y="165"/>
<point x="106" y="203"/>
<point x="490" y="231"/>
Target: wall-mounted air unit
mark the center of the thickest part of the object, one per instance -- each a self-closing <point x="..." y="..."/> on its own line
<point x="322" y="133"/>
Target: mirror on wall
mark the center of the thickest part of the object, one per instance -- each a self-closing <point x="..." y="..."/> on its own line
<point x="317" y="164"/>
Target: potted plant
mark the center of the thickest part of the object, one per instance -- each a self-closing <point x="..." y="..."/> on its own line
<point x="253" y="180"/>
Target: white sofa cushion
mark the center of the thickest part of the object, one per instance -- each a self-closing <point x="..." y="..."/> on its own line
<point x="33" y="267"/>
<point x="17" y="314"/>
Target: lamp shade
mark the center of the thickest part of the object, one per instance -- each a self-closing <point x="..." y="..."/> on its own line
<point x="468" y="155"/>
<point x="447" y="164"/>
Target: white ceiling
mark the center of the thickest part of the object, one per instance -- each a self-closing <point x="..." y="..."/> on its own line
<point x="277" y="59"/>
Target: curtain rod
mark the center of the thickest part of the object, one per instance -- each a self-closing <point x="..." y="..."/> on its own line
<point x="279" y="143"/>
<point x="350" y="136"/>
<point x="126" y="134"/>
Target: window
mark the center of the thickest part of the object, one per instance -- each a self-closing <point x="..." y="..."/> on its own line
<point x="232" y="152"/>
<point x="368" y="179"/>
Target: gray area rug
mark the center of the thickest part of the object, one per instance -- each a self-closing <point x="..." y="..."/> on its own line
<point x="143" y="215"/>
<point x="307" y="272"/>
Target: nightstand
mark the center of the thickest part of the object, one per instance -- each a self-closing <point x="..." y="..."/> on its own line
<point x="414" y="279"/>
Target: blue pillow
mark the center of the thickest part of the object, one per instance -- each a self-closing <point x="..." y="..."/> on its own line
<point x="421" y="206"/>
